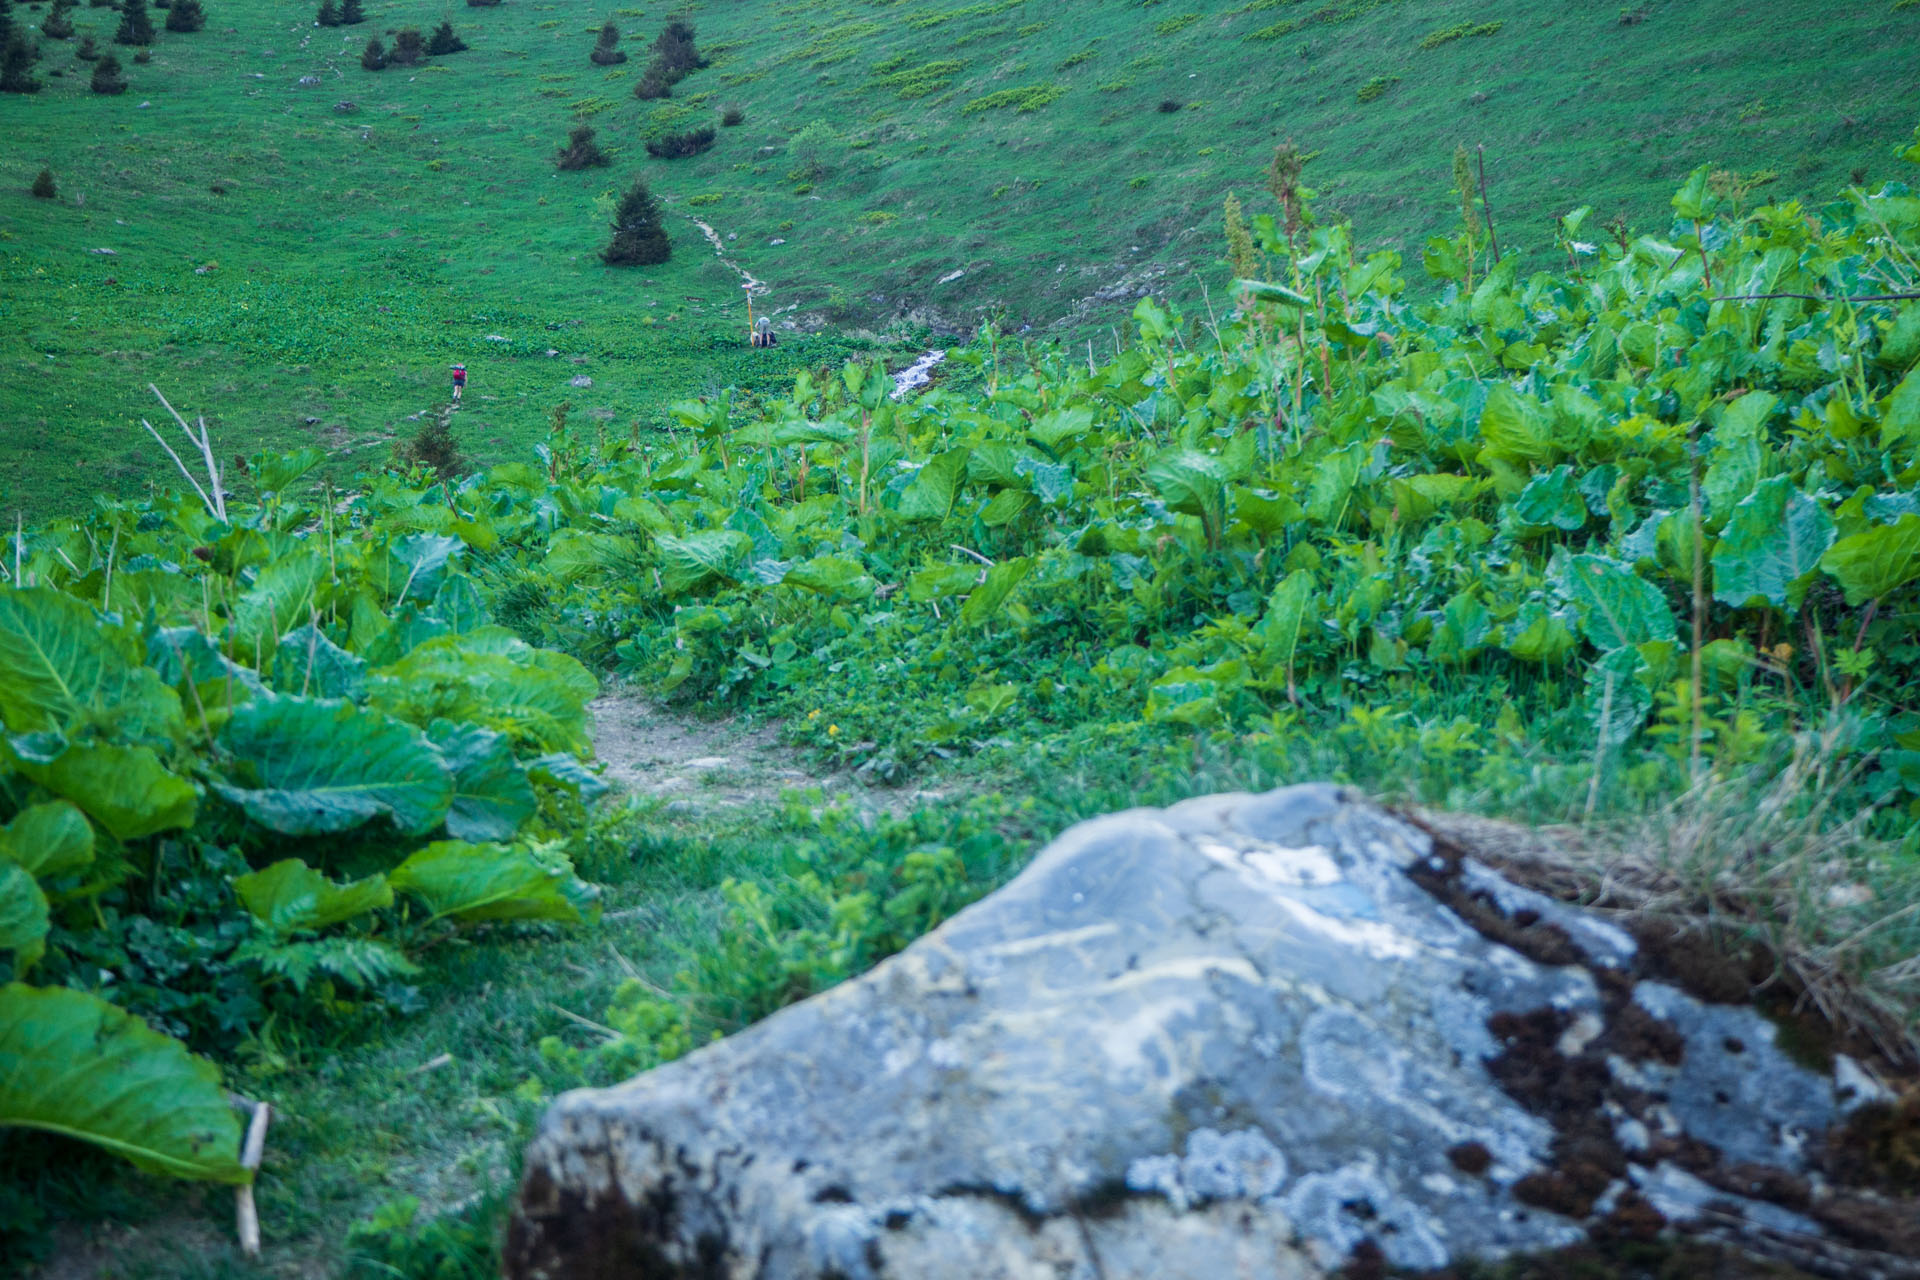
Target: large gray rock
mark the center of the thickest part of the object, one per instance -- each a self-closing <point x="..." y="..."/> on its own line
<point x="1236" y="1037"/>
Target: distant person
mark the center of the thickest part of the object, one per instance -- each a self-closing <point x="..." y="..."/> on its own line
<point x="459" y="381"/>
<point x="763" y="332"/>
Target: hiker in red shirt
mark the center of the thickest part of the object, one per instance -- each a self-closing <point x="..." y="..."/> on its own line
<point x="459" y="381"/>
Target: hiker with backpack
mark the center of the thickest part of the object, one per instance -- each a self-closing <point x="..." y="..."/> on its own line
<point x="459" y="381"/>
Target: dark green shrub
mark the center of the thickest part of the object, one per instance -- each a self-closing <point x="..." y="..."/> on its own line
<point x="679" y="146"/>
<point x="351" y="14"/>
<point x="733" y="116"/>
<point x="107" y="77"/>
<point x="88" y="50"/>
<point x="639" y="236"/>
<point x="136" y="25"/>
<point x="409" y="48"/>
<point x="606" y="52"/>
<point x="482" y="4"/>
<point x="581" y="151"/>
<point x="1168" y="106"/>
<point x="674" y="52"/>
<point x="374" y="56"/>
<point x="43" y="188"/>
<point x="58" y="26"/>
<point x="186" y="15"/>
<point x="143" y="56"/>
<point x="433" y="446"/>
<point x="329" y="14"/>
<point x="653" y="85"/>
<point x="443" y="41"/>
<point x="16" y="65"/>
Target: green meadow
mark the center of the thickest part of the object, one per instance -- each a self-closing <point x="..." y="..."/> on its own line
<point x="302" y="272"/>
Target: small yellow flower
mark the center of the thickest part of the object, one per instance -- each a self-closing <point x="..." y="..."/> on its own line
<point x="1783" y="651"/>
<point x="814" y="714"/>
<point x="832" y="730"/>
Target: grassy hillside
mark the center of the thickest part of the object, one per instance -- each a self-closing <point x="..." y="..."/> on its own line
<point x="303" y="272"/>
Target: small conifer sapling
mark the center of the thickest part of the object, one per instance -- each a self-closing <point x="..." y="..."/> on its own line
<point x="606" y="51"/>
<point x="374" y="56"/>
<point x="639" y="237"/>
<point x="136" y="24"/>
<point x="107" y="77"/>
<point x="328" y="16"/>
<point x="351" y="14"/>
<point x="581" y="151"/>
<point x="59" y="23"/>
<point x="443" y="41"/>
<point x="88" y="50"/>
<point x="43" y="188"/>
<point x="409" y="48"/>
<point x="16" y="65"/>
<point x="186" y="15"/>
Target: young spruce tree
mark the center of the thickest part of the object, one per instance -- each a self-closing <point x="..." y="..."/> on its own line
<point x="186" y="15"/>
<point x="606" y="52"/>
<point x="59" y="23"/>
<point x="639" y="236"/>
<point x="329" y="14"/>
<point x="107" y="77"/>
<point x="374" y="56"/>
<point x="16" y="65"/>
<point x="351" y="14"/>
<point x="136" y="24"/>
<point x="443" y="41"/>
<point x="43" y="188"/>
<point x="581" y="151"/>
<point x="409" y="48"/>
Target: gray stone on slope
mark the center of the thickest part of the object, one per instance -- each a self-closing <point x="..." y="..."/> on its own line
<point x="1232" y="1037"/>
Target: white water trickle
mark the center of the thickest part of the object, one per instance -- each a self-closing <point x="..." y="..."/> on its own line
<point x="916" y="375"/>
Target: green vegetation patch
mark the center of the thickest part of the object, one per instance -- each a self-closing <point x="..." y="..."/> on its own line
<point x="1026" y="98"/>
<point x="1459" y="31"/>
<point x="921" y="81"/>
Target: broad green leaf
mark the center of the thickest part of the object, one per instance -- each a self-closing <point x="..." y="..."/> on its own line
<point x="309" y="766"/>
<point x="414" y="565"/>
<point x="125" y="789"/>
<point x="1192" y="483"/>
<point x="986" y="599"/>
<point x="290" y="895"/>
<point x="458" y="604"/>
<point x="1618" y="608"/>
<point x="1330" y="491"/>
<point x="23" y="916"/>
<point x="491" y="794"/>
<point x="1264" y="514"/>
<point x="273" y="472"/>
<point x="643" y="512"/>
<point x="50" y="839"/>
<point x="1538" y="636"/>
<point x="1617" y="699"/>
<point x="836" y="577"/>
<point x="1900" y="417"/>
<point x="1771" y="547"/>
<point x="59" y="670"/>
<point x="1286" y="615"/>
<point x="1420" y="497"/>
<point x="72" y="1064"/>
<point x="931" y="494"/>
<point x="1551" y="501"/>
<point x="1006" y="506"/>
<point x="1062" y="426"/>
<point x="493" y="678"/>
<point x="1463" y="630"/>
<point x="1264" y="291"/>
<point x="701" y="558"/>
<point x="305" y="662"/>
<point x="576" y="555"/>
<point x="494" y="882"/>
<point x="942" y="580"/>
<point x="1877" y="562"/>
<point x="566" y="773"/>
<point x="1516" y="428"/>
<point x="283" y="597"/>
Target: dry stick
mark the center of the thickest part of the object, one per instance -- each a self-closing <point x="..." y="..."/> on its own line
<point x="211" y="509"/>
<point x="246" y="1219"/>
<point x="1599" y="746"/>
<point x="1699" y="597"/>
<point x="1493" y="237"/>
<point x="1815" y="297"/>
<point x="205" y="443"/>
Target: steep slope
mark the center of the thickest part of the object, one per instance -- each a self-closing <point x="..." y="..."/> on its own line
<point x="300" y="246"/>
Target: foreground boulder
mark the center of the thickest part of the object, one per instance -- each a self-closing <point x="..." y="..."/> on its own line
<point x="1246" y="1036"/>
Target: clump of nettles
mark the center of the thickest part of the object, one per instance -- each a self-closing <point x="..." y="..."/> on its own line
<point x="606" y="50"/>
<point x="639" y="234"/>
<point x="581" y="151"/>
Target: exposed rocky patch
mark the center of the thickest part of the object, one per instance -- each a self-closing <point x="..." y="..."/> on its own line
<point x="1270" y="1036"/>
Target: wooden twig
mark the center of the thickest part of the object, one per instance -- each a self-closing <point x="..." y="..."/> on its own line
<point x="246" y="1218"/>
<point x="1486" y="205"/>
<point x="204" y="442"/>
<point x="211" y="509"/>
<point x="968" y="551"/>
<point x="1815" y="297"/>
<point x="432" y="1064"/>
